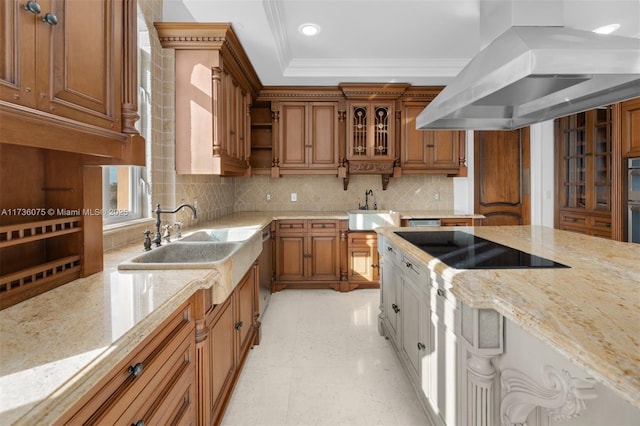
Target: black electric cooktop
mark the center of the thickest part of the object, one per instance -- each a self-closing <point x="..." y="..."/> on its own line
<point x="465" y="251"/>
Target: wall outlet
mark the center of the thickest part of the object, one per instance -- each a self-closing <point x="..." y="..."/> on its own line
<point x="436" y="196"/>
<point x="268" y="197"/>
<point x="294" y="197"/>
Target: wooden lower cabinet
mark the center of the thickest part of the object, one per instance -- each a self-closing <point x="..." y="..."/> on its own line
<point x="185" y="372"/>
<point x="362" y="253"/>
<point x="155" y="385"/>
<point x="308" y="253"/>
<point x="224" y="337"/>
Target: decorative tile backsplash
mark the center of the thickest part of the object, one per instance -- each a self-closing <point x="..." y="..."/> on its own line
<point x="326" y="193"/>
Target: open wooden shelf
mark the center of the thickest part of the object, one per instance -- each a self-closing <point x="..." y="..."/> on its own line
<point x="21" y="233"/>
<point x="15" y="285"/>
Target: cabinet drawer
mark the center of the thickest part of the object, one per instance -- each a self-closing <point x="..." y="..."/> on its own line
<point x="163" y="395"/>
<point x="456" y="222"/>
<point x="389" y="252"/>
<point x="291" y="225"/>
<point x="363" y="239"/>
<point x="129" y="384"/>
<point x="415" y="271"/>
<point x="444" y="308"/>
<point x="323" y="226"/>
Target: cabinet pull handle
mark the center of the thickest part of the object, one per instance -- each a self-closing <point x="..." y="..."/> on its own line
<point x="375" y="265"/>
<point x="430" y="145"/>
<point x="440" y="292"/>
<point x="32" y="6"/>
<point x="136" y="370"/>
<point x="395" y="308"/>
<point x="138" y="423"/>
<point x="50" y="19"/>
<point x="239" y="325"/>
<point x="421" y="346"/>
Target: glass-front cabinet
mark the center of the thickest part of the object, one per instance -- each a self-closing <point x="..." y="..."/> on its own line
<point x="583" y="156"/>
<point x="370" y="131"/>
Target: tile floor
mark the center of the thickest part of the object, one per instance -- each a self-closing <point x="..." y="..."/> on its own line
<point x="322" y="362"/>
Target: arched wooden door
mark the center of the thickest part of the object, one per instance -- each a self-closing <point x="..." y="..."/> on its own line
<point x="502" y="176"/>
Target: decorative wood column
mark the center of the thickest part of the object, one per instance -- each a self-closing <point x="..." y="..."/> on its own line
<point x="482" y="331"/>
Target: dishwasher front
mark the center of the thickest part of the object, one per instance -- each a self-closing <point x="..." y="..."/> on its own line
<point x="265" y="269"/>
<point x="424" y="222"/>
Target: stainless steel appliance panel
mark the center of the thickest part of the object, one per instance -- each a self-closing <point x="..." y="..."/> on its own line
<point x="424" y="222"/>
<point x="634" y="223"/>
<point x="265" y="268"/>
<point x="634" y="180"/>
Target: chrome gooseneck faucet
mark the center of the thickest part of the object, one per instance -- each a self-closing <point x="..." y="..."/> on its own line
<point x="157" y="240"/>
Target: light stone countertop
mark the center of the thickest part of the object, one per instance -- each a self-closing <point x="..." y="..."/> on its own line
<point x="56" y="346"/>
<point x="590" y="312"/>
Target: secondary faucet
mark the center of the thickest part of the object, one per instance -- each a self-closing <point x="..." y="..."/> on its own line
<point x="366" y="200"/>
<point x="158" y="237"/>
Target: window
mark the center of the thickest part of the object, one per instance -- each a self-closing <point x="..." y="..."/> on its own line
<point x="125" y="189"/>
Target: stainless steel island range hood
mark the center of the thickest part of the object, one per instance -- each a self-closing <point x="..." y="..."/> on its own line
<point x="530" y="74"/>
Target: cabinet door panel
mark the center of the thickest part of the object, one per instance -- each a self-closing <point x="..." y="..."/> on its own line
<point x="414" y="149"/>
<point x="85" y="52"/>
<point x="325" y="257"/>
<point x="17" y="61"/>
<point x="444" y="152"/>
<point x="324" y="135"/>
<point x="246" y="293"/>
<point x="360" y="264"/>
<point x="391" y="299"/>
<point x="293" y="135"/>
<point x="411" y="327"/>
<point x="290" y="258"/>
<point x="222" y="358"/>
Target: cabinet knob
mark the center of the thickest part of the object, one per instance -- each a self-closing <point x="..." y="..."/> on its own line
<point x="389" y="248"/>
<point x="138" y="423"/>
<point x="395" y="308"/>
<point x="239" y="325"/>
<point x="421" y="346"/>
<point x="50" y="19"/>
<point x="136" y="370"/>
<point x="440" y="292"/>
<point x="32" y="6"/>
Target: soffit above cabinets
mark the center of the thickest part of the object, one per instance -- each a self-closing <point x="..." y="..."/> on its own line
<point x="397" y="41"/>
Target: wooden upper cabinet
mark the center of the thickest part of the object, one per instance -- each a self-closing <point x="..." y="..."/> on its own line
<point x="80" y="65"/>
<point x="308" y="136"/>
<point x="630" y="127"/>
<point x="215" y="86"/>
<point x="429" y="151"/>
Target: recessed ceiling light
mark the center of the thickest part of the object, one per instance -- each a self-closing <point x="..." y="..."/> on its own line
<point x="607" y="29"/>
<point x="309" y="29"/>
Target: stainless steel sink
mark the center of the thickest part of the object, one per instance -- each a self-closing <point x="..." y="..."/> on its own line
<point x="367" y="220"/>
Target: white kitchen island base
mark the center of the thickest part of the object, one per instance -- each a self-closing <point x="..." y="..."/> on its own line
<point x="477" y="366"/>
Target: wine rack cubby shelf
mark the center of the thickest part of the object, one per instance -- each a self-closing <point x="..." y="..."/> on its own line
<point x="21" y="233"/>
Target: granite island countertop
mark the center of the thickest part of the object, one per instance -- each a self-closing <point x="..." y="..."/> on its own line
<point x="590" y="312"/>
<point x="56" y="346"/>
